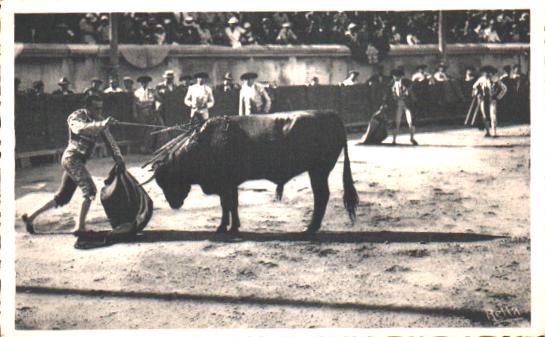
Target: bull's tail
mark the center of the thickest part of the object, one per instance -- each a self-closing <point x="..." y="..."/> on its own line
<point x="350" y="197"/>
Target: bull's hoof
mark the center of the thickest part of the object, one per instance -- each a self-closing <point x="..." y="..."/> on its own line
<point x="221" y="229"/>
<point x="234" y="230"/>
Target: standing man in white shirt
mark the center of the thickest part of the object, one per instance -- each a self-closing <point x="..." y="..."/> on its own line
<point x="489" y="91"/>
<point x="199" y="98"/>
<point x="254" y="99"/>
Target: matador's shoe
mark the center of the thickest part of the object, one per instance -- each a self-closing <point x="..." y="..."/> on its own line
<point x="28" y="224"/>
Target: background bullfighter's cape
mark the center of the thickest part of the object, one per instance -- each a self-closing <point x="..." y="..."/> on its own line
<point x="377" y="130"/>
<point x="125" y="202"/>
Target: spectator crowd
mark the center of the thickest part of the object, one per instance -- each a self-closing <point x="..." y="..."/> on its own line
<point x="379" y="29"/>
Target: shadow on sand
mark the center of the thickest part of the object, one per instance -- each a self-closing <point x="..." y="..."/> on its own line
<point x="474" y="316"/>
<point x="150" y="236"/>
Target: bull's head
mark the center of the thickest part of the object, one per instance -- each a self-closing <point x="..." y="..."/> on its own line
<point x="174" y="171"/>
<point x="173" y="182"/>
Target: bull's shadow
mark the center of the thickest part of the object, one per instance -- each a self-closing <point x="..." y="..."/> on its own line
<point x="323" y="236"/>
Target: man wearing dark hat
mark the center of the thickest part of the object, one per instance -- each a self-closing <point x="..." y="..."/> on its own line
<point x="37" y="88"/>
<point x="489" y="91"/>
<point x="94" y="89"/>
<point x="351" y="79"/>
<point x="402" y="97"/>
<point x="85" y="126"/>
<point x="228" y="85"/>
<point x="254" y="98"/>
<point x="63" y="90"/>
<point x="185" y="81"/>
<point x="128" y="84"/>
<point x="145" y="111"/>
<point x="199" y="97"/>
<point x="113" y="87"/>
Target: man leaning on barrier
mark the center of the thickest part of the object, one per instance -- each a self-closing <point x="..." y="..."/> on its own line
<point x="84" y="127"/>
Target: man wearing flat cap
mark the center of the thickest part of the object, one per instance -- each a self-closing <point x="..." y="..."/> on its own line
<point x="63" y="90"/>
<point x="254" y="98"/>
<point x="95" y="88"/>
<point x="199" y="98"/>
<point x="144" y="112"/>
<point x="489" y="90"/>
<point x="351" y="79"/>
<point x="402" y="98"/>
<point x="228" y="85"/>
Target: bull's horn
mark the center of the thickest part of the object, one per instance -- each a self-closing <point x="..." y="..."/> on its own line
<point x="150" y="179"/>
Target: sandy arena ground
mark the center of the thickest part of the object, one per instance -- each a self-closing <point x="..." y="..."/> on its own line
<point x="442" y="238"/>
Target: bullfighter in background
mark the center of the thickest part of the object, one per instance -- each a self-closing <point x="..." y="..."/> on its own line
<point x="489" y="90"/>
<point x="199" y="98"/>
<point x="402" y="99"/>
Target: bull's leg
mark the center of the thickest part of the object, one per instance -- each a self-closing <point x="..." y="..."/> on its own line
<point x="320" y="188"/>
<point x="235" y="221"/>
<point x="225" y="209"/>
<point x="279" y="191"/>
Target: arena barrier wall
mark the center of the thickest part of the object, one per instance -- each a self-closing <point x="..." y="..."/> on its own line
<point x="40" y="121"/>
<point x="283" y="65"/>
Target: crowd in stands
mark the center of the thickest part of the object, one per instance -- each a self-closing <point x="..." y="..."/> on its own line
<point x="380" y="29"/>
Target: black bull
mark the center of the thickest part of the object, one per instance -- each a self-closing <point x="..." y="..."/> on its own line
<point x="228" y="151"/>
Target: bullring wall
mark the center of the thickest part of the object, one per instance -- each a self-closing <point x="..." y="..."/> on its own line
<point x="285" y="65"/>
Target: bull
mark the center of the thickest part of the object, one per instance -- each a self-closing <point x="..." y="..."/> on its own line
<point x="227" y="151"/>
